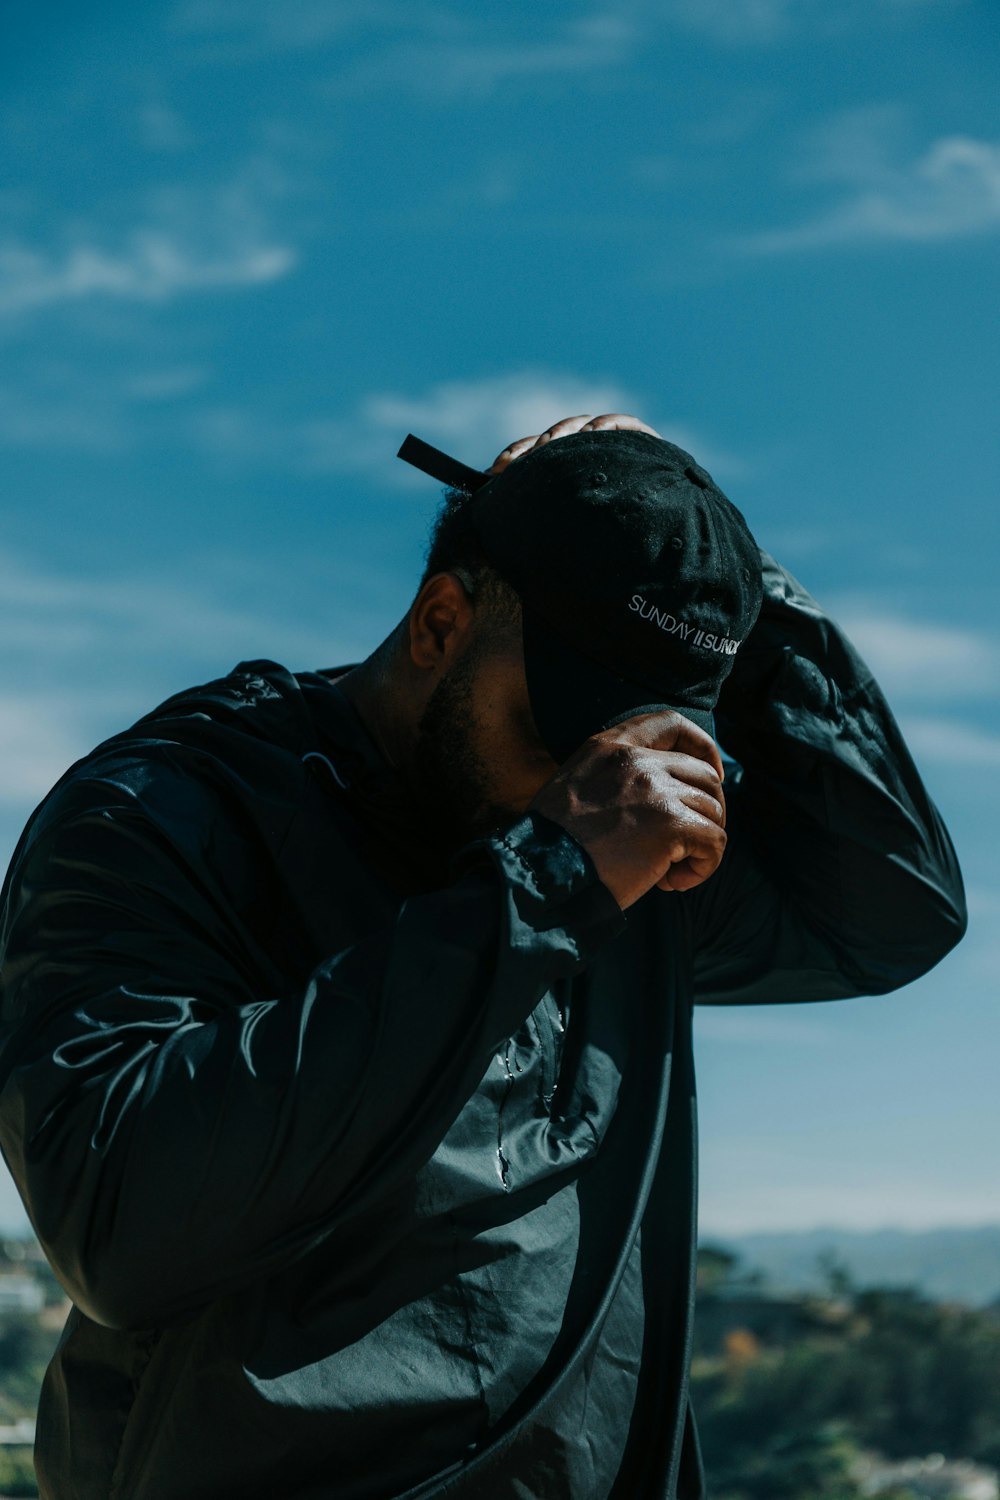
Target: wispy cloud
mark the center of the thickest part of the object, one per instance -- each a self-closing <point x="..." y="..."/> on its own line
<point x="980" y="954"/>
<point x="150" y="634"/>
<point x="921" y="660"/>
<point x="238" y="28"/>
<point x="475" y="419"/>
<point x="69" y="407"/>
<point x="951" y="742"/>
<point x="37" y="743"/>
<point x="80" y="421"/>
<point x="431" y="50"/>
<point x="164" y="129"/>
<point x="951" y="191"/>
<point x="458" y="58"/>
<point x="149" y="267"/>
<point x="938" y="676"/>
<point x="167" y="383"/>
<point x="181" y="239"/>
<point x="51" y="620"/>
<point x="737" y="23"/>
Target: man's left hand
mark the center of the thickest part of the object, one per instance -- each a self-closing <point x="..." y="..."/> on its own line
<point x="610" y="422"/>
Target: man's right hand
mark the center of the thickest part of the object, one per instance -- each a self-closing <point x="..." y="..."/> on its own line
<point x="645" y="801"/>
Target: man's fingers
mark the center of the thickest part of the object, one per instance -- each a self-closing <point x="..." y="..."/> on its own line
<point x="564" y="428"/>
<point x="686" y="874"/>
<point x="702" y="858"/>
<point x="512" y="451"/>
<point x="669" y="730"/>
<point x="646" y="816"/>
<point x="707" y="804"/>
<point x="615" y="421"/>
<point x="526" y="444"/>
<point x="618" y="422"/>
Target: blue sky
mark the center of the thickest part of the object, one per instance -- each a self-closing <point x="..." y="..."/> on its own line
<point x="245" y="247"/>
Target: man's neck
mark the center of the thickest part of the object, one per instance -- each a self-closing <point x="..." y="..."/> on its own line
<point x="381" y="702"/>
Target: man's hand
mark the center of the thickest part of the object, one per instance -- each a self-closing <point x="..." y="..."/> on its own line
<point x="645" y="801"/>
<point x="645" y="798"/>
<point x="613" y="421"/>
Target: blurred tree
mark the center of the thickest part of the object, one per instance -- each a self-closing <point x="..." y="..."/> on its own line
<point x="17" y="1473"/>
<point x="900" y="1375"/>
<point x="25" y="1349"/>
<point x="716" y="1268"/>
<point x="836" y="1276"/>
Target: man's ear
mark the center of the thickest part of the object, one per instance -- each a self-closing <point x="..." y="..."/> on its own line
<point x="440" y="620"/>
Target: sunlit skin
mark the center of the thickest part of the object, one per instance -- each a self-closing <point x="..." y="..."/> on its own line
<point x="445" y="697"/>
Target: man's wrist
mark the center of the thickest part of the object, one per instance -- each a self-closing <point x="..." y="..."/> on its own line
<point x="554" y="882"/>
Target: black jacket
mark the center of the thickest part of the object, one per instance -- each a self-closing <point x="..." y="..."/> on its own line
<point x="365" y="1184"/>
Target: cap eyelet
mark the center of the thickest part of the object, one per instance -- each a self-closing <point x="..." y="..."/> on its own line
<point x="598" y="478"/>
<point x="677" y="543"/>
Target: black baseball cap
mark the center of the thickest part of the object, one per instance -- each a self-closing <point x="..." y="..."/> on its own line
<point x="639" y="580"/>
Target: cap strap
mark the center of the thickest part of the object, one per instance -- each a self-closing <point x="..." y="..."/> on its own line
<point x="439" y="466"/>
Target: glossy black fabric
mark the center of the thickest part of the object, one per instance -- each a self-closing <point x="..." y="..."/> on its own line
<point x="371" y="1179"/>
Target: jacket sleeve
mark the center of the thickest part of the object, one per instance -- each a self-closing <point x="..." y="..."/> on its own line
<point x="176" y="1136"/>
<point x="839" y="878"/>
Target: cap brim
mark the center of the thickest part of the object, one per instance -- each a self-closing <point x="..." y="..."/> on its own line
<point x="573" y="697"/>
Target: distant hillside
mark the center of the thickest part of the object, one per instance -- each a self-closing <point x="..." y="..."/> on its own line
<point x="949" y="1265"/>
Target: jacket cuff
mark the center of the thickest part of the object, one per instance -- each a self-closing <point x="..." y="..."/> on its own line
<point x="555" y="897"/>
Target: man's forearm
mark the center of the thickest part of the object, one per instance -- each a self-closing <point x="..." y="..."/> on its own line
<point x="839" y="825"/>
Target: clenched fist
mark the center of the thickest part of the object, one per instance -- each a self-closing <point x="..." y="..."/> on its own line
<point x="645" y="800"/>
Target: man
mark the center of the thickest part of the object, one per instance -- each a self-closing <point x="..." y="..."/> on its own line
<point x="347" y="1067"/>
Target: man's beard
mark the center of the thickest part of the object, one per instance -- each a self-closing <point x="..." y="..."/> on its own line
<point x="446" y="772"/>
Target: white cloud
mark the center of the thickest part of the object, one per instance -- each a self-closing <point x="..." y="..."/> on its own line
<point x="53" y="621"/>
<point x="80" y="408"/>
<point x="921" y="660"/>
<point x="163" y="129"/>
<point x="979" y="955"/>
<point x="736" y="21"/>
<point x="452" y="58"/>
<point x="81" y="421"/>
<point x="85" y="656"/>
<point x="471" y="419"/>
<point x="951" y="742"/>
<point x="37" y="743"/>
<point x="950" y="192"/>
<point x="859" y="146"/>
<point x="474" y="420"/>
<point x="761" y="22"/>
<point x="925" y="665"/>
<point x="258" y="25"/>
<point x="984" y="905"/>
<point x="482" y="416"/>
<point x="434" y="51"/>
<point x="175" y="239"/>
<point x="149" y="266"/>
<point x="166" y="384"/>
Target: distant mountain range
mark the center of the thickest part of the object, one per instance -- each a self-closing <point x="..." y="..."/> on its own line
<point x="948" y="1265"/>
